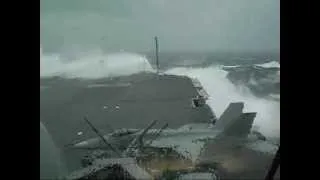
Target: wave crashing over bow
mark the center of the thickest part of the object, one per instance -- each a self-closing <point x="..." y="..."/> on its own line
<point x="222" y="92"/>
<point x="93" y="65"/>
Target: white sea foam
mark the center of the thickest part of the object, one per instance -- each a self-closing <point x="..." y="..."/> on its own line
<point x="271" y="64"/>
<point x="222" y="92"/>
<point x="93" y="65"/>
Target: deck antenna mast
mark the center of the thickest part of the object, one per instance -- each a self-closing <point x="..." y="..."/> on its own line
<point x="157" y="53"/>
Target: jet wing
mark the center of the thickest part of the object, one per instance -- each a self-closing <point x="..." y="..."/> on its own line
<point x="188" y="142"/>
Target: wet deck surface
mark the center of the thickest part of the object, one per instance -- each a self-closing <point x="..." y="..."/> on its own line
<point x="144" y="98"/>
<point x="166" y="99"/>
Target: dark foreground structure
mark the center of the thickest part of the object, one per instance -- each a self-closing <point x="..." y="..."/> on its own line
<point x="103" y="169"/>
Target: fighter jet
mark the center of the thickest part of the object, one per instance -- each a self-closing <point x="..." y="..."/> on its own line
<point x="233" y="128"/>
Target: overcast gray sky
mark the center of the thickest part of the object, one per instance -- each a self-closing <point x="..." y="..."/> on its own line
<point x="198" y="25"/>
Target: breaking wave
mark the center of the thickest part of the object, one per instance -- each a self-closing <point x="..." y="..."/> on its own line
<point x="92" y="65"/>
<point x="222" y="92"/>
<point x="271" y="64"/>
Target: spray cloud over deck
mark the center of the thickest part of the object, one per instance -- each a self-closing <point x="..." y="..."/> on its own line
<point x="94" y="64"/>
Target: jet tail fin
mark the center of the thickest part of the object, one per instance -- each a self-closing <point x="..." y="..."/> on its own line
<point x="239" y="127"/>
<point x="233" y="122"/>
<point x="234" y="110"/>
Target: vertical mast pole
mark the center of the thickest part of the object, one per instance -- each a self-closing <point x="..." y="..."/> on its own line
<point x="157" y="53"/>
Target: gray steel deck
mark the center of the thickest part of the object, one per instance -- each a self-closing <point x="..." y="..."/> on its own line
<point x="123" y="102"/>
